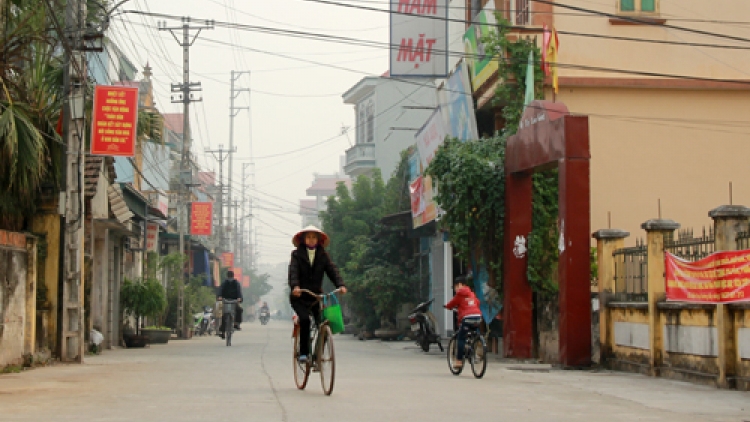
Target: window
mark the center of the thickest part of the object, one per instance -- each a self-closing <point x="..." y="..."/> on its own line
<point x="521" y="12"/>
<point x="638" y="6"/>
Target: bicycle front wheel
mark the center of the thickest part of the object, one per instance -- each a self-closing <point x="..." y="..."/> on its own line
<point x="451" y="353"/>
<point x="479" y="357"/>
<point x="229" y="328"/>
<point x="326" y="359"/>
<point x="301" y="370"/>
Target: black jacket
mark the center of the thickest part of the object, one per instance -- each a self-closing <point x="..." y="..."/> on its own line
<point x="310" y="277"/>
<point x="231" y="289"/>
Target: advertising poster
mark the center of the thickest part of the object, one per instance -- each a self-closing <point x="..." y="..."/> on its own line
<point x="201" y="218"/>
<point x="115" y="116"/>
<point x="457" y="105"/>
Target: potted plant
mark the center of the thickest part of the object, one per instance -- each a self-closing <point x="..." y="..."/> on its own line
<point x="144" y="299"/>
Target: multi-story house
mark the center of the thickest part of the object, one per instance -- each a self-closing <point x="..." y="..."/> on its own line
<point x="389" y="112"/>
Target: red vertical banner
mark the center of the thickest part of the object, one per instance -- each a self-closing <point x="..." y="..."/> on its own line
<point x="227" y="259"/>
<point x="245" y="281"/>
<point x="237" y="273"/>
<point x="201" y="218"/>
<point x="115" y="117"/>
<point x="152" y="237"/>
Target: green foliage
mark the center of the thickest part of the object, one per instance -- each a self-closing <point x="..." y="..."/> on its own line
<point x="471" y="178"/>
<point x="259" y="287"/>
<point x="141" y="298"/>
<point x="542" y="245"/>
<point x="512" y="70"/>
<point x="471" y="190"/>
<point x="376" y="262"/>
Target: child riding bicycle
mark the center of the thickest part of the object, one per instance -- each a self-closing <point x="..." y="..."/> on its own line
<point x="469" y="315"/>
<point x="308" y="264"/>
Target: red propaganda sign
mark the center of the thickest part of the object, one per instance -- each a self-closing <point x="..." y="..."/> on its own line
<point x="152" y="237"/>
<point x="115" y="114"/>
<point x="237" y="273"/>
<point x="201" y="218"/>
<point x="245" y="281"/>
<point x="718" y="278"/>
<point x="227" y="259"/>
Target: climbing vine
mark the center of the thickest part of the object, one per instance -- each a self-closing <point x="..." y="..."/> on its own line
<point x="470" y="177"/>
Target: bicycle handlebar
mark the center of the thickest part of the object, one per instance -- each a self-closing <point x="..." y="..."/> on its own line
<point x="319" y="295"/>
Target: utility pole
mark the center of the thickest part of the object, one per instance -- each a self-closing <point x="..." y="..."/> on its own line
<point x="243" y="249"/>
<point x="71" y="330"/>
<point x="185" y="97"/>
<point x="233" y="111"/>
<point x="223" y="155"/>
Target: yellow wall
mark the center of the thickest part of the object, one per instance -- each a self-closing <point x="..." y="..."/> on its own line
<point x="687" y="162"/>
<point x="630" y="354"/>
<point x="649" y="57"/>
<point x="49" y="224"/>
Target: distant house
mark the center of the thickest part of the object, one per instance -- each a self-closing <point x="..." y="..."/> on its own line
<point x="322" y="187"/>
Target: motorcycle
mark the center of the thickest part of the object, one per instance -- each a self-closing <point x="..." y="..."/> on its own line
<point x="264" y="316"/>
<point x="424" y="326"/>
<point x="204" y="322"/>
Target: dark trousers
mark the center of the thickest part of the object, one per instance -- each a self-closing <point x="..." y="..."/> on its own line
<point x="237" y="317"/>
<point x="470" y="323"/>
<point x="304" y="308"/>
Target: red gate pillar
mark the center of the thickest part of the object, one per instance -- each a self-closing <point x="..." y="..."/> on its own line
<point x="517" y="309"/>
<point x="574" y="269"/>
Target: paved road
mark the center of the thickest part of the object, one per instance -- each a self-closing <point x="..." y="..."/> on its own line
<point x="202" y="380"/>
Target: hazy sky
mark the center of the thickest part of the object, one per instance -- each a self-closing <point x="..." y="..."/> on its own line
<point x="294" y="125"/>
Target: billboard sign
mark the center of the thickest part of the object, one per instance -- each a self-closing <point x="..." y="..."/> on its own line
<point x="201" y="218"/>
<point x="115" y="116"/>
<point x="419" y="38"/>
<point x="430" y="137"/>
<point x="458" y="113"/>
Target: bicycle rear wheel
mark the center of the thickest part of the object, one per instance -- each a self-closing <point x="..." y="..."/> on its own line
<point x="229" y="328"/>
<point x="479" y="357"/>
<point x="326" y="359"/>
<point x="451" y="353"/>
<point x="301" y="370"/>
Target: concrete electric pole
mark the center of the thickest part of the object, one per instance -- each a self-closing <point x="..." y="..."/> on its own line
<point x="223" y="155"/>
<point x="233" y="111"/>
<point x="184" y="95"/>
<point x="72" y="339"/>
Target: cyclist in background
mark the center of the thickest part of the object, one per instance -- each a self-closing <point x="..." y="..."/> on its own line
<point x="309" y="263"/>
<point x="232" y="290"/>
<point x="469" y="315"/>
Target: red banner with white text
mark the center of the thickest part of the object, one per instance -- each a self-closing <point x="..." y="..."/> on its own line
<point x="227" y="259"/>
<point x="201" y="218"/>
<point x="115" y="116"/>
<point x="721" y="277"/>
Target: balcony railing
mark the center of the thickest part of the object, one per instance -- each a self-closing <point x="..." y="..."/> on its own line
<point x="360" y="159"/>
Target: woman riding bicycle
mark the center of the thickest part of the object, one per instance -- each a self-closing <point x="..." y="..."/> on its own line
<point x="308" y="264"/>
<point x="469" y="315"/>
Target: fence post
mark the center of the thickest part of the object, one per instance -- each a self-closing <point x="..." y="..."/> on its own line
<point x="656" y="231"/>
<point x="607" y="242"/>
<point x="729" y="220"/>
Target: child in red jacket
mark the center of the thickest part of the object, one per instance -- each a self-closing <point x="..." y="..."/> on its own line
<point x="469" y="315"/>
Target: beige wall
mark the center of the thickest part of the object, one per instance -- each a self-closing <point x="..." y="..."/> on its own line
<point x="686" y="162"/>
<point x="660" y="58"/>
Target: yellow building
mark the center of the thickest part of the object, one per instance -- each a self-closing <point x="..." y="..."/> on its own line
<point x="668" y="114"/>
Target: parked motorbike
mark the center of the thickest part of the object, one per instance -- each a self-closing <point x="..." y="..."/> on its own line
<point x="264" y="316"/>
<point x="204" y="322"/>
<point x="424" y="326"/>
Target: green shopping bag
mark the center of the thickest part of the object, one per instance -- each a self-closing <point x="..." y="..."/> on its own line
<point x="332" y="314"/>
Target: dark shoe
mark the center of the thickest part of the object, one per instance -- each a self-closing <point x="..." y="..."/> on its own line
<point x="222" y="336"/>
<point x="237" y="327"/>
